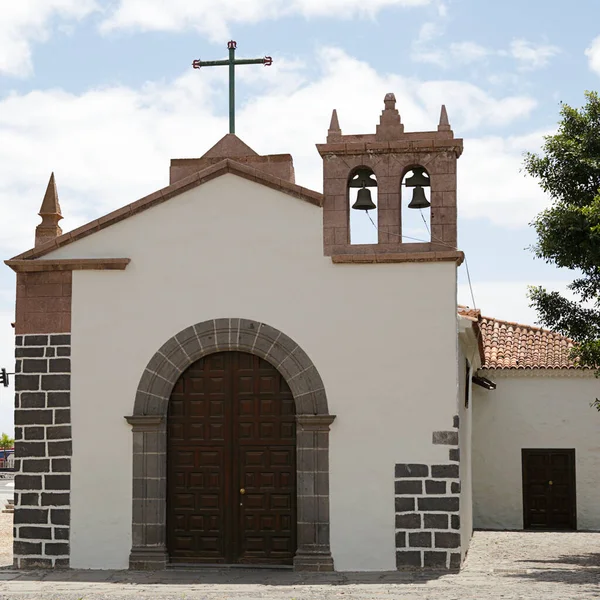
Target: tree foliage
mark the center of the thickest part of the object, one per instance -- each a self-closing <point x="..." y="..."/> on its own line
<point x="6" y="441"/>
<point x="568" y="231"/>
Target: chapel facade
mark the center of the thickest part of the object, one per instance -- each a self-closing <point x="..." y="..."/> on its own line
<point x="215" y="332"/>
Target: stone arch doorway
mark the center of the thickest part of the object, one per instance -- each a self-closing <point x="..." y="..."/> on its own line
<point x="231" y="463"/>
<point x="149" y="422"/>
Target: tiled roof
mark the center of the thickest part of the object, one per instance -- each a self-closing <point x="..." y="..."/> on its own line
<point x="508" y="345"/>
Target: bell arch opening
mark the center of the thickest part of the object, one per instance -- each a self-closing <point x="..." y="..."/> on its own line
<point x="362" y="202"/>
<point x="149" y="424"/>
<point x="415" y="201"/>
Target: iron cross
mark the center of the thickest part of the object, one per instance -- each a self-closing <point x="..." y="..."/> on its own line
<point x="232" y="62"/>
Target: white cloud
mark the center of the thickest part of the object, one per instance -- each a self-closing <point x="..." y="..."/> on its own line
<point x="215" y="18"/>
<point x="593" y="54"/>
<point x="26" y="21"/>
<point x="468" y="52"/>
<point x="532" y="56"/>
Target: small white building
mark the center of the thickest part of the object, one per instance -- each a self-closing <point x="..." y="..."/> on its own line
<point x="265" y="385"/>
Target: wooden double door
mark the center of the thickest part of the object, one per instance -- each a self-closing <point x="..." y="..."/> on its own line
<point x="231" y="460"/>
<point x="549" y="500"/>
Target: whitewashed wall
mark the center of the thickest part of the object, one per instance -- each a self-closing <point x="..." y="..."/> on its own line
<point x="535" y="411"/>
<point x="233" y="248"/>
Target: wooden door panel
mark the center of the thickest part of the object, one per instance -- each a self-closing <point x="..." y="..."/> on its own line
<point x="231" y="426"/>
<point x="549" y="499"/>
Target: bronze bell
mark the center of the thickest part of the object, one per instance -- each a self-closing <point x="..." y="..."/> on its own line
<point x="363" y="200"/>
<point x="419" y="200"/>
<point x="363" y="178"/>
<point x="418" y="178"/>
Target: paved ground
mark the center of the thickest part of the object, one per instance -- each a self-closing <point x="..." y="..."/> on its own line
<point x="507" y="566"/>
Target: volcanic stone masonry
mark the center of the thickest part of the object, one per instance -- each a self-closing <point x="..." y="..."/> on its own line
<point x="43" y="448"/>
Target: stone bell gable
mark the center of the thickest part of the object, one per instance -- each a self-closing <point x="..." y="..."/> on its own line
<point x="389" y="154"/>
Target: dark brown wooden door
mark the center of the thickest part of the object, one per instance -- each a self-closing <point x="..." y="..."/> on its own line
<point x="549" y="489"/>
<point x="231" y="460"/>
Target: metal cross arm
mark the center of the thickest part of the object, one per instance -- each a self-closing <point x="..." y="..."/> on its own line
<point x="267" y="61"/>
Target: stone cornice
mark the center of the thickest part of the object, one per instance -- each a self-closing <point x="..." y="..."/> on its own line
<point x="68" y="264"/>
<point x="145" y="422"/>
<point x="381" y="147"/>
<point x="506" y="373"/>
<point x="315" y="422"/>
<point x="400" y="257"/>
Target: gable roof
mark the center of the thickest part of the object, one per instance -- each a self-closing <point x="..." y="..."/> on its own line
<point x="508" y="345"/>
<point x="227" y="165"/>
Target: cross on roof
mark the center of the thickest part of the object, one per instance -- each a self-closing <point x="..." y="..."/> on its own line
<point x="232" y="62"/>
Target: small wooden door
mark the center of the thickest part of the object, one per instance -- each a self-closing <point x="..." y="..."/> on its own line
<point x="231" y="460"/>
<point x="549" y="489"/>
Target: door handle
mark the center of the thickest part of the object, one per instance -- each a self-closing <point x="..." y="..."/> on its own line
<point x="242" y="491"/>
<point x="549" y="483"/>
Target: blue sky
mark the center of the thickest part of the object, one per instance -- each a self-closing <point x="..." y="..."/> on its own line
<point x="103" y="93"/>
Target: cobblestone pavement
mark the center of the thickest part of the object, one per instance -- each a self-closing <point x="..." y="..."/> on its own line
<point x="507" y="566"/>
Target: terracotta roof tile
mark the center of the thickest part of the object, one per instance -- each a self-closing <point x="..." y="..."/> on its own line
<point x="508" y="345"/>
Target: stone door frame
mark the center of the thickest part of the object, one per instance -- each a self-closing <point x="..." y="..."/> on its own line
<point x="149" y="424"/>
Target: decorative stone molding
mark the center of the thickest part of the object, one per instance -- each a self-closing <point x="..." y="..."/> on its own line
<point x="400" y="257"/>
<point x="43" y="447"/>
<point x="150" y="434"/>
<point x="68" y="264"/>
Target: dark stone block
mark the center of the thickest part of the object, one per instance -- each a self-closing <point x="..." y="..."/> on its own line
<point x="61" y="533"/>
<point x="31" y="516"/>
<point x="57" y="549"/>
<point x="27" y="547"/>
<point x="400" y="539"/>
<point x="18" y="433"/>
<point x="408" y="521"/>
<point x="404" y="504"/>
<point x="456" y="421"/>
<point x="60" y="516"/>
<point x="36" y="563"/>
<point x="50" y="353"/>
<point x="435" y="487"/>
<point x="420" y="539"/>
<point x="59" y="399"/>
<point x="30" y="449"/>
<point x="35" y="433"/>
<point x="447" y="540"/>
<point x="58" y="482"/>
<point x="28" y="482"/>
<point x="56" y="499"/>
<point x="411" y="471"/>
<point x="444" y="471"/>
<point x="61" y="465"/>
<point x="62" y="563"/>
<point x="60" y="340"/>
<point x="448" y="438"/>
<point x="56" y="382"/>
<point x="60" y="365"/>
<point x="59" y="432"/>
<point x="455" y="521"/>
<point x="30" y="465"/>
<point x="32" y="365"/>
<point x="28" y="499"/>
<point x="64" y="351"/>
<point x="38" y="416"/>
<point x="36" y="340"/>
<point x="454" y="454"/>
<point x="35" y="533"/>
<point x="408" y="558"/>
<point x="24" y="383"/>
<point x="408" y="487"/>
<point x="443" y="504"/>
<point x="19" y="340"/>
<point x="455" y="487"/>
<point x="62" y="416"/>
<point x="29" y="352"/>
<point x="33" y="400"/>
<point x="435" y="521"/>
<point x="60" y="448"/>
<point x="435" y="560"/>
<point x="455" y="560"/>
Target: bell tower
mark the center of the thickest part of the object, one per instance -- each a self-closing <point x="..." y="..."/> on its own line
<point x="384" y="159"/>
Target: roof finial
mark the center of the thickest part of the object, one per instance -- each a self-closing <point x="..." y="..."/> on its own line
<point x="390" y="125"/>
<point x="50" y="212"/>
<point x="334" y="134"/>
<point x="444" y="122"/>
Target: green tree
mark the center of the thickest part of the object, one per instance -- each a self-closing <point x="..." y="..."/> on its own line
<point x="6" y="442"/>
<point x="568" y="231"/>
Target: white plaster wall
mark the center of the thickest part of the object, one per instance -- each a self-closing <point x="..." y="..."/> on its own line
<point x="233" y="248"/>
<point x="464" y="438"/>
<point x="533" y="412"/>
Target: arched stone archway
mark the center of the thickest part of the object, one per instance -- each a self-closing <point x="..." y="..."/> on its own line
<point x="149" y="435"/>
